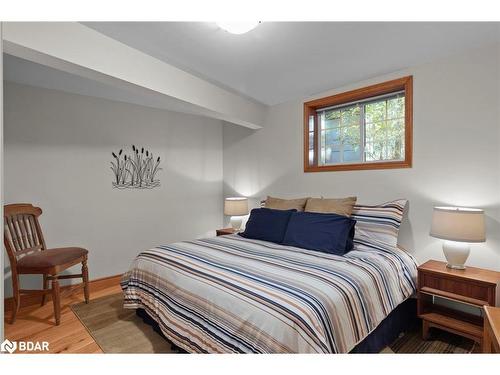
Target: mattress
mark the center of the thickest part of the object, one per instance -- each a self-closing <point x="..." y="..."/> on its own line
<point x="229" y="294"/>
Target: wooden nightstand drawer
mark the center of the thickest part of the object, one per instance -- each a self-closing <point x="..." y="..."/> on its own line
<point x="480" y="292"/>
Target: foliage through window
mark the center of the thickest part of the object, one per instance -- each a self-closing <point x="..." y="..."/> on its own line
<point x="369" y="128"/>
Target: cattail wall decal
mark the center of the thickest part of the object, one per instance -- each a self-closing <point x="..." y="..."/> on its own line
<point x="137" y="171"/>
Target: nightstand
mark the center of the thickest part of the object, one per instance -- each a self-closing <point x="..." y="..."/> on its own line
<point x="225" y="231"/>
<point x="473" y="287"/>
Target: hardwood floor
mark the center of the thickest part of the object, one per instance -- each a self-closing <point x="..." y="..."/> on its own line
<point x="36" y="323"/>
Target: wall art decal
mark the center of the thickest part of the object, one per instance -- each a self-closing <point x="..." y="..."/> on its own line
<point x="137" y="170"/>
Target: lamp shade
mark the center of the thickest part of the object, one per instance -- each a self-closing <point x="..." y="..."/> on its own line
<point x="236" y="206"/>
<point x="458" y="224"/>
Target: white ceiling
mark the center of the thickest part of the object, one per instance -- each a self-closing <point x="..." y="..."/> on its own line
<point x="277" y="62"/>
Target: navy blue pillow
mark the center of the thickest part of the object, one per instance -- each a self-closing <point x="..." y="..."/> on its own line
<point x="328" y="233"/>
<point x="267" y="224"/>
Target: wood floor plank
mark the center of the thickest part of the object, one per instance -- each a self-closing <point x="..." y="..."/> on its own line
<point x="36" y="323"/>
<point x="91" y="348"/>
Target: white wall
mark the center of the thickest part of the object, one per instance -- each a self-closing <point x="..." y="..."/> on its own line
<point x="456" y="157"/>
<point x="57" y="156"/>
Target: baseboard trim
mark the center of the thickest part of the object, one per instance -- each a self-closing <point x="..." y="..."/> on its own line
<point x="95" y="285"/>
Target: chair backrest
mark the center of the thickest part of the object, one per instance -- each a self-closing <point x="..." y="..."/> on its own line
<point x="22" y="231"/>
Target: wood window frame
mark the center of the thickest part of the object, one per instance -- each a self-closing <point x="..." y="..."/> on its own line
<point x="401" y="84"/>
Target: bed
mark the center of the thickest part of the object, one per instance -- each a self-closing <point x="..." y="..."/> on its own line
<point x="230" y="294"/>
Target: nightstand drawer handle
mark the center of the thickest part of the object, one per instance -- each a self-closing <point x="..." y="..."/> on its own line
<point x="453" y="296"/>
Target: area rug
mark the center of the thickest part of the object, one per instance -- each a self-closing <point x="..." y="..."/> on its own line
<point x="117" y="330"/>
<point x="440" y="342"/>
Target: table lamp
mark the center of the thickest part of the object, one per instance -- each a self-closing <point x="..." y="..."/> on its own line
<point x="236" y="208"/>
<point x="458" y="227"/>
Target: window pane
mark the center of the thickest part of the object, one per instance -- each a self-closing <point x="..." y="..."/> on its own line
<point x="402" y="148"/>
<point x="395" y="149"/>
<point x="350" y="116"/>
<point x="331" y="155"/>
<point x="374" y="151"/>
<point x="351" y="135"/>
<point x="311" y="123"/>
<point x="396" y="108"/>
<point x="321" y="120"/>
<point x="333" y="115"/>
<point x="395" y="129"/>
<point x="352" y="156"/>
<point x="342" y="144"/>
<point x="375" y="112"/>
<point x="374" y="131"/>
<point x="385" y="140"/>
<point x="341" y="136"/>
<point x="331" y="122"/>
<point x="311" y="148"/>
<point x="331" y="136"/>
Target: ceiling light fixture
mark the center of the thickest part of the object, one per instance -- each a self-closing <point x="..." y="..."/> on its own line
<point x="238" y="27"/>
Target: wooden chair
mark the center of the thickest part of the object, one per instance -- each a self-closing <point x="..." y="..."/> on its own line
<point x="28" y="254"/>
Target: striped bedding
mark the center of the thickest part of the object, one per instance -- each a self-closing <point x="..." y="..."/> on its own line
<point x="234" y="295"/>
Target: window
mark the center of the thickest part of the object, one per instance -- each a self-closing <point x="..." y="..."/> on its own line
<point x="368" y="128"/>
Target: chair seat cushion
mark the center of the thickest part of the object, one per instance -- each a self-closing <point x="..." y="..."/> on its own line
<point x="51" y="257"/>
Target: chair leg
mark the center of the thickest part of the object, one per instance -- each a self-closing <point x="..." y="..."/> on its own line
<point x="45" y="287"/>
<point x="56" y="300"/>
<point x="16" y="299"/>
<point x="85" y="277"/>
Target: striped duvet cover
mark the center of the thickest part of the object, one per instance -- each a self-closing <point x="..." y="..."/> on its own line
<point x="230" y="294"/>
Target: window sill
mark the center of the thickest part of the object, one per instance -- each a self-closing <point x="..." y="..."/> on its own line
<point x="358" y="166"/>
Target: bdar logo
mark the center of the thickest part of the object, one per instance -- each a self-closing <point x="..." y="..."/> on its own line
<point x="24" y="346"/>
<point x="8" y="346"/>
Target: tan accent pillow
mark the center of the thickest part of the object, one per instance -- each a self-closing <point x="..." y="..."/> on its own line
<point x="340" y="206"/>
<point x="285" y="204"/>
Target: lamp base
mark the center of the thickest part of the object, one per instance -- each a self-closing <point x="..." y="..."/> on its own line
<point x="456" y="254"/>
<point x="236" y="222"/>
